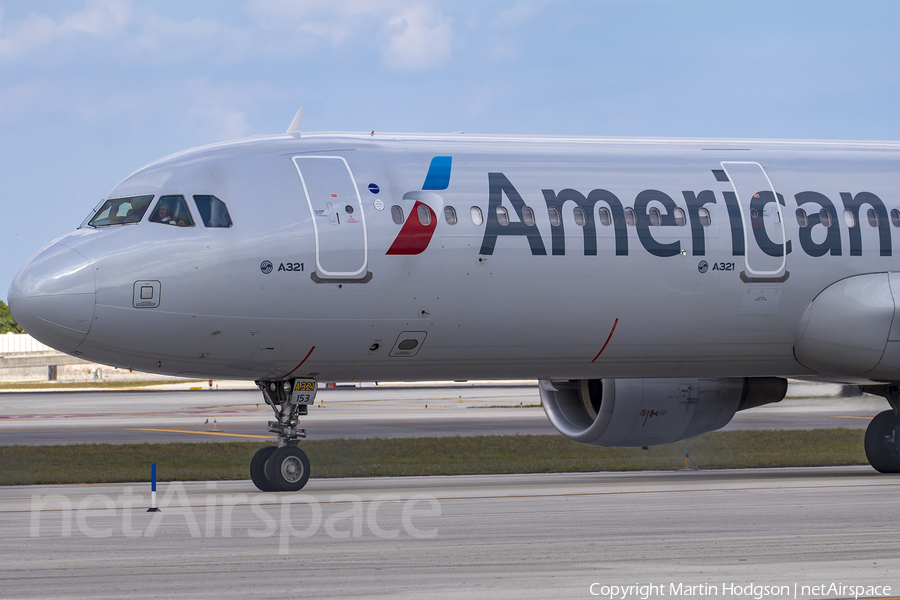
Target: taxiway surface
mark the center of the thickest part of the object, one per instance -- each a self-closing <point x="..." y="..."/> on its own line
<point x="139" y="416"/>
<point x="500" y="536"/>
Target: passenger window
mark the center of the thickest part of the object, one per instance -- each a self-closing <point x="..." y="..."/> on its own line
<point x="705" y="217"/>
<point x="802" y="219"/>
<point x="554" y="215"/>
<point x="580" y="217"/>
<point x="895" y="217"/>
<point x="629" y="216"/>
<point x="450" y="215"/>
<point x="118" y="211"/>
<point x="502" y="216"/>
<point x="424" y="214"/>
<point x="849" y="219"/>
<point x="680" y="219"/>
<point x="397" y="214"/>
<point x="825" y="217"/>
<point x="213" y="211"/>
<point x="655" y="217"/>
<point x="528" y="216"/>
<point x="605" y="217"/>
<point x="477" y="217"/>
<point x="873" y="217"/>
<point x="172" y="210"/>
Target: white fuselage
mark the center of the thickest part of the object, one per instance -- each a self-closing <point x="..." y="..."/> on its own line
<point x="696" y="284"/>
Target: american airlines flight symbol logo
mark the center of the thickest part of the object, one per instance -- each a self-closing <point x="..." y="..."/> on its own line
<point x="418" y="229"/>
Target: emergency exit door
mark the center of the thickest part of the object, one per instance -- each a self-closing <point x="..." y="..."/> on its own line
<point x="337" y="215"/>
<point x="765" y="241"/>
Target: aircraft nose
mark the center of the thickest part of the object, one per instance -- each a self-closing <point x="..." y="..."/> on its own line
<point x="52" y="297"/>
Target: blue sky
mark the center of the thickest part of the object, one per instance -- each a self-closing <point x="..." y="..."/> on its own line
<point x="90" y="91"/>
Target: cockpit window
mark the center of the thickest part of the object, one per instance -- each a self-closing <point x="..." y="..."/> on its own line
<point x="117" y="211"/>
<point x="172" y="210"/>
<point x="213" y="211"/>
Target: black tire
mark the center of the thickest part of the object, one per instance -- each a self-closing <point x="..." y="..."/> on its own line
<point x="881" y="457"/>
<point x="288" y="469"/>
<point x="258" y="468"/>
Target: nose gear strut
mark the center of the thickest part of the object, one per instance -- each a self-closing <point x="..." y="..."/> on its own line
<point x="285" y="468"/>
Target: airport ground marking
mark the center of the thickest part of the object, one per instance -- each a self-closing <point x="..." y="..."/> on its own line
<point x="259" y="437"/>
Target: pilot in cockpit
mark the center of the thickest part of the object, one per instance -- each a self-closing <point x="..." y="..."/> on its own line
<point x="172" y="210"/>
<point x="163" y="215"/>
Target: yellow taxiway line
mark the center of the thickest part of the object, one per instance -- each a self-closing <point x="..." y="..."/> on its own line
<point x="244" y="435"/>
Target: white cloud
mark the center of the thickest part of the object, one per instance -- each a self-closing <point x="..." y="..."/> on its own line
<point x="98" y="19"/>
<point x="219" y="110"/>
<point x="411" y="35"/>
<point x="162" y="39"/>
<point x="407" y="35"/>
<point x="520" y="16"/>
<point x="521" y="13"/>
<point x="335" y="22"/>
<point x="126" y="32"/>
<point x="420" y="39"/>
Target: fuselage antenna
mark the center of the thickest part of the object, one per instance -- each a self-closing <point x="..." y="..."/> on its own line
<point x="295" y="124"/>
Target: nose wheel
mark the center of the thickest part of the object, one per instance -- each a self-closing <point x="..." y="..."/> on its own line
<point x="284" y="468"/>
<point x="258" y="468"/>
<point x="288" y="469"/>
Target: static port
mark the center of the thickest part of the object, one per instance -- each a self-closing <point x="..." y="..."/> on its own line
<point x="374" y="347"/>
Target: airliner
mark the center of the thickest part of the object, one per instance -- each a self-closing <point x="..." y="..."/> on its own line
<point x="653" y="287"/>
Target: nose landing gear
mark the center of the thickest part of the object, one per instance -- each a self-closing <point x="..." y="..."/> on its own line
<point x="284" y="468"/>
<point x="258" y="468"/>
<point x="288" y="469"/>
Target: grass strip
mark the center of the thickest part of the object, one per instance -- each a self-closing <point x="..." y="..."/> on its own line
<point x="110" y="463"/>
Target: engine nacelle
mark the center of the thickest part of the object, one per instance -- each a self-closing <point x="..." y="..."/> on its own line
<point x="648" y="412"/>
